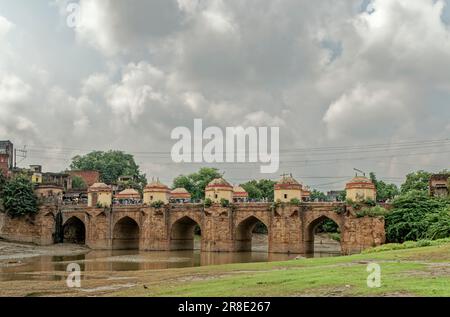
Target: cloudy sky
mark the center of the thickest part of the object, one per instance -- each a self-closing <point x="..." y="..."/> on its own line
<point x="357" y="83"/>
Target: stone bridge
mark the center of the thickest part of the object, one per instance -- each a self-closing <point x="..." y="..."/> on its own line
<point x="223" y="229"/>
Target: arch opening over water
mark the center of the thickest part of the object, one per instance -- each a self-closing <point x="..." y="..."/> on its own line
<point x="251" y="235"/>
<point x="74" y="231"/>
<point x="323" y="236"/>
<point x="126" y="235"/>
<point x="184" y="233"/>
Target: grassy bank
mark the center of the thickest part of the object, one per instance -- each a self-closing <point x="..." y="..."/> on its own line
<point x="418" y="270"/>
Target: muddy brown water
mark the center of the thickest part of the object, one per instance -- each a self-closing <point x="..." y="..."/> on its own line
<point x="46" y="267"/>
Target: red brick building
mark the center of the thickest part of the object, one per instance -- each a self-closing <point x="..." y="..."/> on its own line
<point x="89" y="177"/>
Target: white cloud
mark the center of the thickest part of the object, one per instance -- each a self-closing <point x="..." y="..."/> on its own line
<point x="368" y="114"/>
<point x="5" y="27"/>
<point x="324" y="72"/>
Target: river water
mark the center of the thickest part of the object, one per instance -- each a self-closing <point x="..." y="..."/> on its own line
<point x="41" y="267"/>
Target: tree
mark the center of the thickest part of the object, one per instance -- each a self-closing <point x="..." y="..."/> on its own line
<point x="262" y="189"/>
<point x="384" y="191"/>
<point x="19" y="198"/>
<point x="439" y="224"/>
<point x="410" y="216"/>
<point x="252" y="189"/>
<point x="111" y="165"/>
<point x="318" y="195"/>
<point x="416" y="181"/>
<point x="78" y="183"/>
<point x="196" y="183"/>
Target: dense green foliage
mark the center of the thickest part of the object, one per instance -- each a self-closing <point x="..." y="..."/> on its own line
<point x="224" y="202"/>
<point x="439" y="224"/>
<point x="19" y="198"/>
<point x="111" y="165"/>
<point x="262" y="189"/>
<point x="195" y="183"/>
<point x="416" y="215"/>
<point x="384" y="191"/>
<point x="78" y="183"/>
<point x="328" y="226"/>
<point x="318" y="195"/>
<point x="157" y="204"/>
<point x="2" y="182"/>
<point x="416" y="181"/>
<point x="374" y="211"/>
<point x="207" y="203"/>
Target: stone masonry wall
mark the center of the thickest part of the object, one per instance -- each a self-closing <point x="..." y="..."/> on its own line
<point x="224" y="229"/>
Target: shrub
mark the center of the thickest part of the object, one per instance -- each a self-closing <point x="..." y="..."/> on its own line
<point x="208" y="202"/>
<point x="376" y="211"/>
<point x="224" y="202"/>
<point x="339" y="209"/>
<point x="19" y="198"/>
<point x="295" y="201"/>
<point x="157" y="204"/>
<point x="369" y="202"/>
<point x="276" y="204"/>
<point x="411" y="215"/>
<point x="439" y="224"/>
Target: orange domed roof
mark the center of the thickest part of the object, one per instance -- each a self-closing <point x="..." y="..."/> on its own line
<point x="180" y="193"/>
<point x="156" y="186"/>
<point x="98" y="187"/>
<point x="288" y="182"/>
<point x="360" y="182"/>
<point x="238" y="191"/>
<point x="219" y="182"/>
<point x="128" y="193"/>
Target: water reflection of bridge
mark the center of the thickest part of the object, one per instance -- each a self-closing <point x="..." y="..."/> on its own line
<point x="223" y="229"/>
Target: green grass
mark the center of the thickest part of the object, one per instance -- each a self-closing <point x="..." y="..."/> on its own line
<point x="420" y="271"/>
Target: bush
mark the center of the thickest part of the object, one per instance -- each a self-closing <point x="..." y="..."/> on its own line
<point x="411" y="217"/>
<point x="208" y="202"/>
<point x="439" y="224"/>
<point x="339" y="209"/>
<point x="369" y="202"/>
<point x="157" y="204"/>
<point x="376" y="211"/>
<point x="276" y="204"/>
<point x="295" y="201"/>
<point x="224" y="202"/>
<point x="19" y="198"/>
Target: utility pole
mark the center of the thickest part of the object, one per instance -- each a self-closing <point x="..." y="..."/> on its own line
<point x="357" y="170"/>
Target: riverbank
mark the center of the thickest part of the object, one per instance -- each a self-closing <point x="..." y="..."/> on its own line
<point x="409" y="272"/>
<point x="11" y="252"/>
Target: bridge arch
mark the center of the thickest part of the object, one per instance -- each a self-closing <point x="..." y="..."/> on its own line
<point x="74" y="231"/>
<point x="182" y="233"/>
<point x="312" y="225"/>
<point x="126" y="234"/>
<point x="244" y="233"/>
